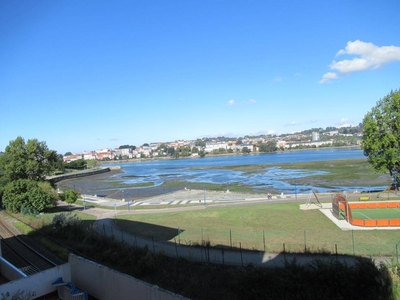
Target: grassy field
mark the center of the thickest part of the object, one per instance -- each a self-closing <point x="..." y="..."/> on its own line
<point x="261" y="227"/>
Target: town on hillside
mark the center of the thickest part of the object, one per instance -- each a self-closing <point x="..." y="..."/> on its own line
<point x="312" y="138"/>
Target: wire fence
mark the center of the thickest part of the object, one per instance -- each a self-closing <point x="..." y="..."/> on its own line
<point x="351" y="242"/>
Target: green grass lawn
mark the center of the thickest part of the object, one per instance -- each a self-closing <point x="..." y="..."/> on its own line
<point x="376" y="214"/>
<point x="255" y="227"/>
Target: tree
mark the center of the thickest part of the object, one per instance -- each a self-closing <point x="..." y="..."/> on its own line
<point x="78" y="164"/>
<point x="32" y="160"/>
<point x="27" y="194"/>
<point x="246" y="150"/>
<point x="269" y="146"/>
<point x="381" y="137"/>
<point x="69" y="196"/>
<point x="23" y="168"/>
<point x="127" y="147"/>
<point x="91" y="163"/>
<point x="195" y="150"/>
<point x="67" y="153"/>
<point x="200" y="143"/>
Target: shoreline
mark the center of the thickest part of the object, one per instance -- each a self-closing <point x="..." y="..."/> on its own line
<point x="111" y="186"/>
<point x="134" y="160"/>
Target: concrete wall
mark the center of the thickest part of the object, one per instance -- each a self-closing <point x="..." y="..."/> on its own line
<point x="40" y="283"/>
<point x="78" y="174"/>
<point x="105" y="283"/>
<point x="9" y="271"/>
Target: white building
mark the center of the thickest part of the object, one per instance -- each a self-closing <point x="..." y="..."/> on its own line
<point x="315" y="136"/>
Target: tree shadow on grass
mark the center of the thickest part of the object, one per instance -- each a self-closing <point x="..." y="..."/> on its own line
<point x="147" y="230"/>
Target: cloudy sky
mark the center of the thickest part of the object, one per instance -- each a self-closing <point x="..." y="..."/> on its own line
<point x="83" y="75"/>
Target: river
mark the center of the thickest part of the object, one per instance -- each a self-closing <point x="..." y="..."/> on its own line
<point x="194" y="170"/>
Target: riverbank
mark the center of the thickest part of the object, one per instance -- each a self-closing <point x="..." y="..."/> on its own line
<point x="325" y="170"/>
<point x="155" y="158"/>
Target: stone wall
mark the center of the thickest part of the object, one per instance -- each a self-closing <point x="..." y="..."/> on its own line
<point x="78" y="174"/>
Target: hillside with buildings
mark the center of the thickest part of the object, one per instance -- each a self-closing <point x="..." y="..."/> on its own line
<point x="313" y="138"/>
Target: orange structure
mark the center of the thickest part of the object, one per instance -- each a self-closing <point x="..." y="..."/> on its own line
<point x="340" y="202"/>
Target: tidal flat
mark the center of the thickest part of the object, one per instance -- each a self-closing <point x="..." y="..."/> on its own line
<point x="350" y="173"/>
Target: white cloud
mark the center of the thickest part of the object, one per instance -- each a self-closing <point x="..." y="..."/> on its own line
<point x="231" y="102"/>
<point x="293" y="123"/>
<point x="344" y="122"/>
<point x="252" y="101"/>
<point x="369" y="57"/>
<point x="328" y="77"/>
<point x="265" y="132"/>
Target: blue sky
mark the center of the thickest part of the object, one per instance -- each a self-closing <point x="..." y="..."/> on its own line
<point x="83" y="75"/>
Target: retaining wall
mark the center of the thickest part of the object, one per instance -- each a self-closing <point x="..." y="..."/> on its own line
<point x="78" y="174"/>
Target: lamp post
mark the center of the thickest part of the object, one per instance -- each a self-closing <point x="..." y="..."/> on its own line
<point x="395" y="181"/>
<point x="204" y="188"/>
<point x="127" y="196"/>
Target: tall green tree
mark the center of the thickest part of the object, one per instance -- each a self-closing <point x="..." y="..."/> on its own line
<point x="69" y="196"/>
<point x="381" y="136"/>
<point x="31" y="160"/>
<point x="23" y="168"/>
<point x="28" y="194"/>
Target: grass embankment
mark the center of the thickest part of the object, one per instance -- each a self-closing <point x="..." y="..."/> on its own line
<point x="31" y="225"/>
<point x="261" y="227"/>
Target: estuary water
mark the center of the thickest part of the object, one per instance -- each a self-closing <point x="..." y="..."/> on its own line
<point x="273" y="178"/>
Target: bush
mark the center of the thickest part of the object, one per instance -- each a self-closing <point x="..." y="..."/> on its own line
<point x="66" y="219"/>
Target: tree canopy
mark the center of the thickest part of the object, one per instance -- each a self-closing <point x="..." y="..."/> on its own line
<point x="381" y="137"/>
<point x="27" y="194"/>
<point x="31" y="160"/>
<point x="23" y="169"/>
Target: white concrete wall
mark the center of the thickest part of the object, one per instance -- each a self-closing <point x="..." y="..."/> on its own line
<point x="40" y="283"/>
<point x="9" y="271"/>
<point x="107" y="284"/>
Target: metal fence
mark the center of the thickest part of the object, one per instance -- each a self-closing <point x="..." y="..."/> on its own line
<point x="349" y="242"/>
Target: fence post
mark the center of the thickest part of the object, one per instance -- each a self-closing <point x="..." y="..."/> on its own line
<point x="264" y="239"/>
<point x="284" y="248"/>
<point x="352" y="236"/>
<point x="176" y="249"/>
<point x="241" y="255"/>
<point x="230" y="236"/>
<point x="336" y="249"/>
<point x="305" y="241"/>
